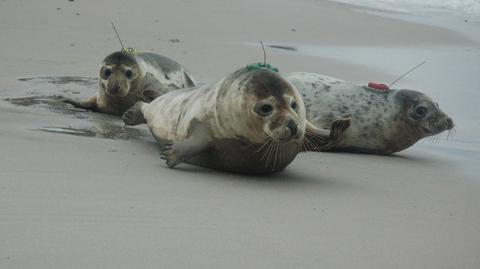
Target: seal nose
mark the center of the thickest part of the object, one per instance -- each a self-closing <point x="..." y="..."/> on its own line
<point x="449" y="123"/>
<point x="115" y="89"/>
<point x="293" y="127"/>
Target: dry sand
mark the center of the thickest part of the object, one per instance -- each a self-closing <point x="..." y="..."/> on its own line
<point x="102" y="198"/>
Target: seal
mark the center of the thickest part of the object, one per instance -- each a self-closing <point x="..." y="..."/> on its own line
<point x="128" y="76"/>
<point x="384" y="121"/>
<point x="251" y="122"/>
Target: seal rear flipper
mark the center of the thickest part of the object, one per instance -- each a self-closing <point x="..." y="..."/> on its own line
<point x="134" y="115"/>
<point x="198" y="142"/>
<point x="89" y="104"/>
<point x="317" y="139"/>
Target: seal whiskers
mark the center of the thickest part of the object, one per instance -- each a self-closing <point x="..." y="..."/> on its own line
<point x="270" y="153"/>
<point x="311" y="144"/>
<point x="263" y="145"/>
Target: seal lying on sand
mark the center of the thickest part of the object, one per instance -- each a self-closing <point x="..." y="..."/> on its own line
<point x="127" y="77"/>
<point x="252" y="121"/>
<point x="383" y="121"/>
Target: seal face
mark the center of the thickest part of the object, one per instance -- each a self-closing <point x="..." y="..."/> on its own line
<point x="383" y="121"/>
<point x="252" y="121"/>
<point x="422" y="114"/>
<point x="126" y="77"/>
<point x="117" y="74"/>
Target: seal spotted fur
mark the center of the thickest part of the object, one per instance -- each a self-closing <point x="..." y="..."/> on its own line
<point x="383" y="122"/>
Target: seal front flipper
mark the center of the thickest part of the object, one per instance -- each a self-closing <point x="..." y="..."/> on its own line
<point x="317" y="139"/>
<point x="198" y="142"/>
<point x="134" y="115"/>
<point x="89" y="104"/>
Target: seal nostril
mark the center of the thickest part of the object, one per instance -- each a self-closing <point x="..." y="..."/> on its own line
<point x="293" y="127"/>
<point x="449" y="123"/>
<point x="115" y="89"/>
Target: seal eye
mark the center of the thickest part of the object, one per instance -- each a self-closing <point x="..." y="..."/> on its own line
<point x="421" y="110"/>
<point x="264" y="110"/>
<point x="107" y="72"/>
<point x="129" y="74"/>
<point x="294" y="105"/>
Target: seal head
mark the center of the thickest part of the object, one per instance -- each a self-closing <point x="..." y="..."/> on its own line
<point x="119" y="73"/>
<point x="421" y="115"/>
<point x="261" y="105"/>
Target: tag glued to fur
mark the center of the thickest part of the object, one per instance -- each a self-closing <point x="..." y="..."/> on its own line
<point x="258" y="66"/>
<point x="130" y="51"/>
<point x="378" y="86"/>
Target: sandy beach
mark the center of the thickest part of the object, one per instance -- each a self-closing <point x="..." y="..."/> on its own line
<point x="77" y="190"/>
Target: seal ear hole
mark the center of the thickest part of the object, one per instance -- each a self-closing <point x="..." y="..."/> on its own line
<point x="129" y="74"/>
<point x="421" y="111"/>
<point x="264" y="110"/>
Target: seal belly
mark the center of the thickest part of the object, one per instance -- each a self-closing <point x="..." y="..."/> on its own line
<point x="242" y="157"/>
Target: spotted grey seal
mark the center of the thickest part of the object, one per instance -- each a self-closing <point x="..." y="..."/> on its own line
<point x="383" y="121"/>
<point x="251" y="122"/>
<point x="128" y="76"/>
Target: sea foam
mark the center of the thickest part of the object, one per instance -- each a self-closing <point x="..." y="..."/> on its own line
<point x="466" y="7"/>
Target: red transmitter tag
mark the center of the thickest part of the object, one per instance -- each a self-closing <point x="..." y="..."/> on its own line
<point x="378" y="86"/>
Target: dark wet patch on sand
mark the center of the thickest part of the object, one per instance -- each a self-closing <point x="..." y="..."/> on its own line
<point x="36" y="100"/>
<point x="98" y="125"/>
<point x="28" y="101"/>
<point x="103" y="130"/>
<point x="68" y="131"/>
<point x="48" y="91"/>
<point x="53" y="103"/>
<point x="84" y="81"/>
<point x="289" y="48"/>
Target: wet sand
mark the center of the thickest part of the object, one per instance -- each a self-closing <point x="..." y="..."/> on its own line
<point x="77" y="190"/>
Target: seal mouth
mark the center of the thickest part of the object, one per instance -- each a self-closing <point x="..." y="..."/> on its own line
<point x="427" y="131"/>
<point x="283" y="140"/>
<point x="287" y="137"/>
<point x="117" y="93"/>
<point x="117" y="89"/>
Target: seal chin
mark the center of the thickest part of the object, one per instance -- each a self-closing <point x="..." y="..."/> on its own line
<point x="282" y="140"/>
